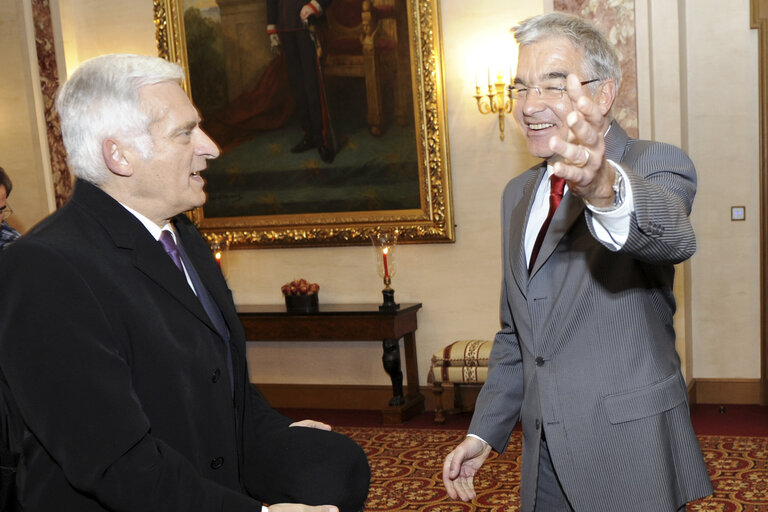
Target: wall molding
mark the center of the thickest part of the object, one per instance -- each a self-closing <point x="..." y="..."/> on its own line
<point x="759" y="20"/>
<point x="725" y="391"/>
<point x="336" y="396"/>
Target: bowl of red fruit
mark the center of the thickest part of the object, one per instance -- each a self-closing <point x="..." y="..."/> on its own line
<point x="300" y="296"/>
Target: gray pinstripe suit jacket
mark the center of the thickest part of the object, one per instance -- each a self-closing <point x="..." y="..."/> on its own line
<point x="587" y="346"/>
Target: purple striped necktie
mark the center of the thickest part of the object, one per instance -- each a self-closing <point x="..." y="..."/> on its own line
<point x="166" y="240"/>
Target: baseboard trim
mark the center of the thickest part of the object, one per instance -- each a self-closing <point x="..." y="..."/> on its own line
<point x="336" y="396"/>
<point x="332" y="396"/>
<point x="322" y="396"/>
<point x="725" y="391"/>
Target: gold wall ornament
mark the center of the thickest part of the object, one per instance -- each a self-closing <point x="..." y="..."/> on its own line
<point x="431" y="222"/>
<point x="498" y="99"/>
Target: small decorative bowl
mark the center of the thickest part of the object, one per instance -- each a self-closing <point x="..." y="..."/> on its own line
<point x="301" y="303"/>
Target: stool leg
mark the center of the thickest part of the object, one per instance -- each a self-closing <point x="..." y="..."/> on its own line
<point x="437" y="391"/>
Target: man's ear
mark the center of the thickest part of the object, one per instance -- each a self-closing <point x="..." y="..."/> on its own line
<point x="606" y="95"/>
<point x="115" y="158"/>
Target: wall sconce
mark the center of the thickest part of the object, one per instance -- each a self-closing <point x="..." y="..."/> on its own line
<point x="497" y="101"/>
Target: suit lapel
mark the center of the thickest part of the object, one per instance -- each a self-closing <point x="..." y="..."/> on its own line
<point x="569" y="211"/>
<point x="571" y="208"/>
<point x="518" y="222"/>
<point x="129" y="234"/>
<point x="150" y="258"/>
<point x="209" y="276"/>
<point x="200" y="257"/>
<point x="616" y="143"/>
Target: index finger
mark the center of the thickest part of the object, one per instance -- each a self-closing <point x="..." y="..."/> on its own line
<point x="581" y="101"/>
<point x="447" y="479"/>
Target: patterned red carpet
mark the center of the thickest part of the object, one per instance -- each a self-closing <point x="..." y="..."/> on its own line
<point x="738" y="467"/>
<point x="406" y="465"/>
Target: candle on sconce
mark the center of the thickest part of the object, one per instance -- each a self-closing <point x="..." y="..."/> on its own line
<point x="384" y="255"/>
<point x="384" y="242"/>
<point x="219" y="249"/>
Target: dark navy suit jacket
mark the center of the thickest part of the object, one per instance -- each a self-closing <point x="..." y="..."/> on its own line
<point x="118" y="372"/>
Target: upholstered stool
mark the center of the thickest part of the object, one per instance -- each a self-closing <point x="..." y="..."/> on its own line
<point x="461" y="362"/>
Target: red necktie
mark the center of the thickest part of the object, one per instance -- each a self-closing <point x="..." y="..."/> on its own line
<point x="557" y="185"/>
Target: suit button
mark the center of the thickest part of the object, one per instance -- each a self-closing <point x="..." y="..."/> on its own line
<point x="539" y="361"/>
<point x="217" y="462"/>
<point x="537" y="424"/>
<point x="216" y="375"/>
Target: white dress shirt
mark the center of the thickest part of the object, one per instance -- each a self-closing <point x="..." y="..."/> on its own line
<point x="611" y="227"/>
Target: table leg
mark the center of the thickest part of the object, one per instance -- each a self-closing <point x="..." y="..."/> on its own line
<point x="391" y="360"/>
<point x="411" y="364"/>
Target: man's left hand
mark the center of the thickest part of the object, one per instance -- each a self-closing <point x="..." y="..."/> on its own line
<point x="582" y="157"/>
<point x="311" y="424"/>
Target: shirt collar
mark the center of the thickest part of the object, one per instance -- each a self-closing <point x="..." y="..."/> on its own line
<point x="153" y="228"/>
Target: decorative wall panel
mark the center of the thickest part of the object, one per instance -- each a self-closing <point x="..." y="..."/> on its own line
<point x="49" y="84"/>
<point x="617" y="21"/>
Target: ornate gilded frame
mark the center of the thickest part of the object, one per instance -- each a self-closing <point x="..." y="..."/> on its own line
<point x="432" y="222"/>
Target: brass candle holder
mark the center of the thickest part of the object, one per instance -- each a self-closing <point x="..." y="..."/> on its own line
<point x="498" y="100"/>
<point x="384" y="243"/>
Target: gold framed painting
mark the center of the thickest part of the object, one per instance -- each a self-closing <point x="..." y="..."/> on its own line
<point x="380" y="65"/>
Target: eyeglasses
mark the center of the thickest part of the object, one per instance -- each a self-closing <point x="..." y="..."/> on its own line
<point x="5" y="211"/>
<point x="548" y="92"/>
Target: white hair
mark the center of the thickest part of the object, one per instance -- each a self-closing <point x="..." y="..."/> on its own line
<point x="601" y="60"/>
<point x="101" y="100"/>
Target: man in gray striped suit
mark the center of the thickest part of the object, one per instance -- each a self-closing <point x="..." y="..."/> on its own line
<point x="585" y="358"/>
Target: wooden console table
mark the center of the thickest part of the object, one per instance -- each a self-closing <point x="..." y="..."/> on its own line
<point x="350" y="322"/>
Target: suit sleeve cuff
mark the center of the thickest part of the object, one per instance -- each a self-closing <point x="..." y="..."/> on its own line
<point x="477" y="437"/>
<point x="612" y="228"/>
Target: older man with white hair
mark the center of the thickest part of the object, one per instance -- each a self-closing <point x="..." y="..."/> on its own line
<point x="120" y="345"/>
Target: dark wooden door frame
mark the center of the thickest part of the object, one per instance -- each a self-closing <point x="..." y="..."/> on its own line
<point x="758" y="11"/>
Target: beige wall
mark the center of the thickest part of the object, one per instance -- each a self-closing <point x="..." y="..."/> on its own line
<point x="95" y="27"/>
<point x="723" y="141"/>
<point x="23" y="151"/>
<point x="684" y="54"/>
